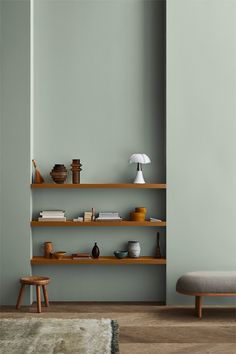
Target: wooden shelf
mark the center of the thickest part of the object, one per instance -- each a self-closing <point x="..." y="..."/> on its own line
<point x="100" y="260"/>
<point x="100" y="185"/>
<point x="71" y="223"/>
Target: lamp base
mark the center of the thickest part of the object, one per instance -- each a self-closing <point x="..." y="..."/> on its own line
<point x="139" y="178"/>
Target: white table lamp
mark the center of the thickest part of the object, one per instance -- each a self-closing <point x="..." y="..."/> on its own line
<point x="139" y="159"/>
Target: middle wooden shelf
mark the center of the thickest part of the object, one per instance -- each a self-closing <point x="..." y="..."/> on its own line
<point x="36" y="223"/>
<point x="100" y="260"/>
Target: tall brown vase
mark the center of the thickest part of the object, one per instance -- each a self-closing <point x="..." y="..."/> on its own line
<point x="76" y="168"/>
<point x="48" y="249"/>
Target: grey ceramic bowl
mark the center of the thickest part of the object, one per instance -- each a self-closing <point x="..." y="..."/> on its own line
<point x="121" y="254"/>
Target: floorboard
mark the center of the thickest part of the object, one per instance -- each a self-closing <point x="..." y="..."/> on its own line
<point x="148" y="328"/>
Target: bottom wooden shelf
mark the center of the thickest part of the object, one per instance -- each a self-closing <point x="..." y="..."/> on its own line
<point x="100" y="260"/>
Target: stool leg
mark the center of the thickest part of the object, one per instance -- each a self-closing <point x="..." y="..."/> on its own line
<point x="20" y="296"/>
<point x="45" y="293"/>
<point x="38" y="298"/>
<point x="198" y="306"/>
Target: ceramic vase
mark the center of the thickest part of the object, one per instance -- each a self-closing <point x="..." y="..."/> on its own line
<point x="48" y="249"/>
<point x="76" y="168"/>
<point x="134" y="249"/>
<point x="158" y="249"/>
<point x="95" y="251"/>
<point x="38" y="179"/>
<point x="59" y="173"/>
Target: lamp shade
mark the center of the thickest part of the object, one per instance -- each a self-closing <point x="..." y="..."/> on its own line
<point x="139" y="158"/>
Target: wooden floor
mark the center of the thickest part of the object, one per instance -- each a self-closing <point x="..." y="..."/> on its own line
<point x="149" y="328"/>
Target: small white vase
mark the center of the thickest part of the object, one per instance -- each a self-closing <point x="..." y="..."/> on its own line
<point x="134" y="249"/>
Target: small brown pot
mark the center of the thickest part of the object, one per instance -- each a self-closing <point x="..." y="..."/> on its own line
<point x="59" y="173"/>
<point x="141" y="210"/>
<point x="137" y="216"/>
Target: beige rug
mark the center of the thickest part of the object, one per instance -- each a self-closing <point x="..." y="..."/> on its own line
<point x="58" y="336"/>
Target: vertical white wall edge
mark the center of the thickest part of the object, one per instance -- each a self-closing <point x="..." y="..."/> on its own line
<point x="31" y="116"/>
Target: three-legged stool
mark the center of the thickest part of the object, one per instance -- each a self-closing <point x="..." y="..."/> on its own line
<point x="37" y="281"/>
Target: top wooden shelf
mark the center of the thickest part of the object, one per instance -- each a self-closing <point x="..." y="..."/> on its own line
<point x="100" y="185"/>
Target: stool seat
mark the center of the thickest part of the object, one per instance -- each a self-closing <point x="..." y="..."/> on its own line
<point x="39" y="282"/>
<point x="35" y="280"/>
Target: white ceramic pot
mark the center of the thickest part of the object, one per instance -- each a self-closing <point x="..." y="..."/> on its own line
<point x="134" y="249"/>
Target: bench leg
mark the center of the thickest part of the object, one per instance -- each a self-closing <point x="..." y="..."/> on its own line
<point x="20" y="297"/>
<point x="45" y="293"/>
<point x="198" y="306"/>
<point x="38" y="298"/>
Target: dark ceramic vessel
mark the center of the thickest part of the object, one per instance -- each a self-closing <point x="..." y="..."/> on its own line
<point x="76" y="168"/>
<point x="59" y="173"/>
<point x="95" y="251"/>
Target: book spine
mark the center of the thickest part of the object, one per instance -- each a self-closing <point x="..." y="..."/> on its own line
<point x="52" y="216"/>
<point x="108" y="214"/>
<point x="52" y="212"/>
<point x="103" y="219"/>
<point x="51" y="219"/>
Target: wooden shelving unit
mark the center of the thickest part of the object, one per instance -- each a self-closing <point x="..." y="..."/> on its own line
<point x="99" y="185"/>
<point x="108" y="260"/>
<point x="100" y="260"/>
<point x="71" y="223"/>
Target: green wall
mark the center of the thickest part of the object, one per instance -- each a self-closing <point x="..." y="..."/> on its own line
<point x="201" y="145"/>
<point x="15" y="147"/>
<point x="99" y="95"/>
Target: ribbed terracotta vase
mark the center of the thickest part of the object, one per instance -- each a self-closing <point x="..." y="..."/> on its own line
<point x="76" y="168"/>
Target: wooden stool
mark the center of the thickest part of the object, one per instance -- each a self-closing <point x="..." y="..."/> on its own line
<point x="37" y="281"/>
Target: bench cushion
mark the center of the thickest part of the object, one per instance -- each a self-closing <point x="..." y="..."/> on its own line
<point x="207" y="282"/>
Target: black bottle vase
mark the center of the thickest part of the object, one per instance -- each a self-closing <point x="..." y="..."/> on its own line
<point x="95" y="251"/>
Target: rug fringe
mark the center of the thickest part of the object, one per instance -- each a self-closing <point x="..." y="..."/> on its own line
<point x="115" y="337"/>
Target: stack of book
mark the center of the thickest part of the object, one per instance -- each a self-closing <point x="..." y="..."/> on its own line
<point x="108" y="216"/>
<point x="52" y="215"/>
<point x="88" y="216"/>
<point x="81" y="255"/>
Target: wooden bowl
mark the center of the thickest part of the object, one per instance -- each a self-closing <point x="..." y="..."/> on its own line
<point x="59" y="255"/>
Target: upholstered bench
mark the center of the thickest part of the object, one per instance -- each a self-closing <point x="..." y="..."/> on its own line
<point x="206" y="283"/>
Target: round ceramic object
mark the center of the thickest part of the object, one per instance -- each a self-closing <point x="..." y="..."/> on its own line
<point x="59" y="173"/>
<point x="137" y="216"/>
<point x="121" y="254"/>
<point x="134" y="249"/>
